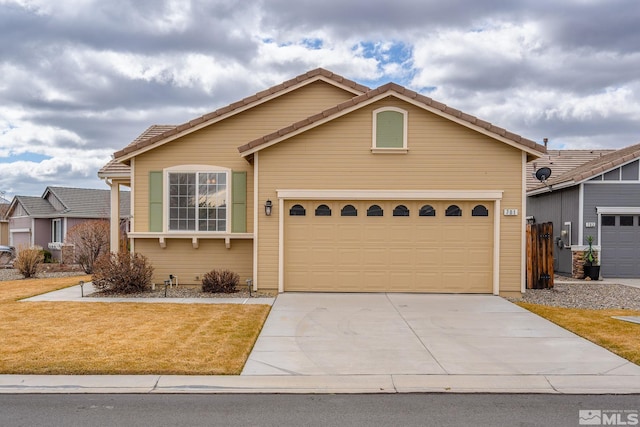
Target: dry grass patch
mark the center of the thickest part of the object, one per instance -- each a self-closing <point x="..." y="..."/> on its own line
<point x="11" y="290"/>
<point x="122" y="338"/>
<point x="619" y="337"/>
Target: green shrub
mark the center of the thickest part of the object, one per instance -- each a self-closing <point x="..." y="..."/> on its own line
<point x="220" y="281"/>
<point x="28" y="260"/>
<point x="47" y="256"/>
<point x="122" y="273"/>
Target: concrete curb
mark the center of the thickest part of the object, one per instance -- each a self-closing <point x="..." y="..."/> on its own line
<point x="322" y="384"/>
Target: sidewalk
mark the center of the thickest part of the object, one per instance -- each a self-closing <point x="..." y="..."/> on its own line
<point x="169" y="384"/>
<point x="74" y="293"/>
<point x="633" y="282"/>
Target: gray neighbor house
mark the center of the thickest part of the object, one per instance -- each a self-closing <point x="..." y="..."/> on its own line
<point x="44" y="221"/>
<point x="590" y="193"/>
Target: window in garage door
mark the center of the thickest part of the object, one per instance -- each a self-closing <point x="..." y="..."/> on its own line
<point x="375" y="210"/>
<point x="323" y="210"/>
<point x="297" y="210"/>
<point x="480" y="210"/>
<point x="453" y="210"/>
<point x="427" y="210"/>
<point x="401" y="210"/>
<point x="349" y="210"/>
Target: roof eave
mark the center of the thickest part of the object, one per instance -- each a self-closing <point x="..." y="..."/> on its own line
<point x="128" y="153"/>
<point x="547" y="189"/>
<point x="116" y="175"/>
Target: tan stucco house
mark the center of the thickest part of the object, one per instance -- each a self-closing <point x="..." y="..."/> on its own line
<point x="322" y="184"/>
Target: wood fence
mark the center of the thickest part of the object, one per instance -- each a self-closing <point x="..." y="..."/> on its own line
<point x="540" y="256"/>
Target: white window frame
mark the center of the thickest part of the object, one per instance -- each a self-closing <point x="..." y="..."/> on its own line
<point x="56" y="231"/>
<point x="405" y="131"/>
<point x="195" y="169"/>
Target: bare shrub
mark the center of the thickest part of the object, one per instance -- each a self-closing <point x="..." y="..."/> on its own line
<point x="122" y="273"/>
<point x="90" y="239"/>
<point x="28" y="260"/>
<point x="220" y="281"/>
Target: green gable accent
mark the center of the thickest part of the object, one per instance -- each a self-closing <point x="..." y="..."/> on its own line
<point x="389" y="129"/>
<point x="155" y="201"/>
<point x="239" y="202"/>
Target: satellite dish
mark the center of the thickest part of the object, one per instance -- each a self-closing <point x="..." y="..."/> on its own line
<point x="543" y="174"/>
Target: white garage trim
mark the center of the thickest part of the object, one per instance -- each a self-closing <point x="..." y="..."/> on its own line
<point x="20" y="230"/>
<point x="491" y="195"/>
<point x="389" y="194"/>
<point x="496" y="248"/>
<point x="613" y="210"/>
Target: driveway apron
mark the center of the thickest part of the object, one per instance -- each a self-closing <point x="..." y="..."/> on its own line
<point x="423" y="334"/>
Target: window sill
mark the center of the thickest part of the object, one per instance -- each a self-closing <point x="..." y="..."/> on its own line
<point x="389" y="150"/>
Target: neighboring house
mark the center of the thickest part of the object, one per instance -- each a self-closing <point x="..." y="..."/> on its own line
<point x="322" y="184"/>
<point x="44" y="221"/>
<point x="4" y="223"/>
<point x="598" y="197"/>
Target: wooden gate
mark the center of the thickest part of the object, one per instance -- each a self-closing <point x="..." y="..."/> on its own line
<point x="540" y="256"/>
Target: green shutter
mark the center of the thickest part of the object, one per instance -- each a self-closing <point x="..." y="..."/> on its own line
<point x="389" y="129"/>
<point x="155" y="201"/>
<point x="239" y="202"/>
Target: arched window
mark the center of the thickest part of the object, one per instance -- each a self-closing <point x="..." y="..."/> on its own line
<point x="374" y="210"/>
<point x="390" y="128"/>
<point x="427" y="210"/>
<point x="349" y="210"/>
<point x="323" y="210"/>
<point x="453" y="210"/>
<point x="480" y="210"/>
<point x="297" y="210"/>
<point x="401" y="210"/>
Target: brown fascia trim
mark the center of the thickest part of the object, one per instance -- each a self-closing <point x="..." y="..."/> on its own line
<point x="388" y="88"/>
<point x="242" y="103"/>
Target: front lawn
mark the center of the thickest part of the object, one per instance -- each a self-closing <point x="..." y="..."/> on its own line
<point x="617" y="336"/>
<point x="121" y="338"/>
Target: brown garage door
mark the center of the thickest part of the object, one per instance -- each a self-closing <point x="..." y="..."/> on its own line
<point x="388" y="246"/>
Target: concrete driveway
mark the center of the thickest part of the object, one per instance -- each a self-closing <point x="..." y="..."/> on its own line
<point x="420" y="334"/>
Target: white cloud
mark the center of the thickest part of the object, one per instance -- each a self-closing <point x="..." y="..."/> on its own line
<point x="81" y="78"/>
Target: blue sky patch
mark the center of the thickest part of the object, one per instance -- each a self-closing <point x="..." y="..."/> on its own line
<point x="24" y="157"/>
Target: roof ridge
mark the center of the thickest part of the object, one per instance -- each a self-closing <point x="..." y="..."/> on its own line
<point x="401" y="90"/>
<point x="308" y="76"/>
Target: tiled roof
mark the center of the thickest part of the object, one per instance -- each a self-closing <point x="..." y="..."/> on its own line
<point x="89" y="203"/>
<point x="310" y="76"/>
<point x="114" y="168"/>
<point x="35" y="206"/>
<point x="393" y="88"/>
<point x="596" y="166"/>
<point x="77" y="202"/>
<point x="560" y="162"/>
<point x="117" y="169"/>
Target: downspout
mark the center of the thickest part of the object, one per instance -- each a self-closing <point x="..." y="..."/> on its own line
<point x="580" y="214"/>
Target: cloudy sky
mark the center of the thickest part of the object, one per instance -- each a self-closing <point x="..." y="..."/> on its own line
<point x="80" y="79"/>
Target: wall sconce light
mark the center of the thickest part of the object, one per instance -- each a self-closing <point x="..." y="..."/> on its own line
<point x="267" y="208"/>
